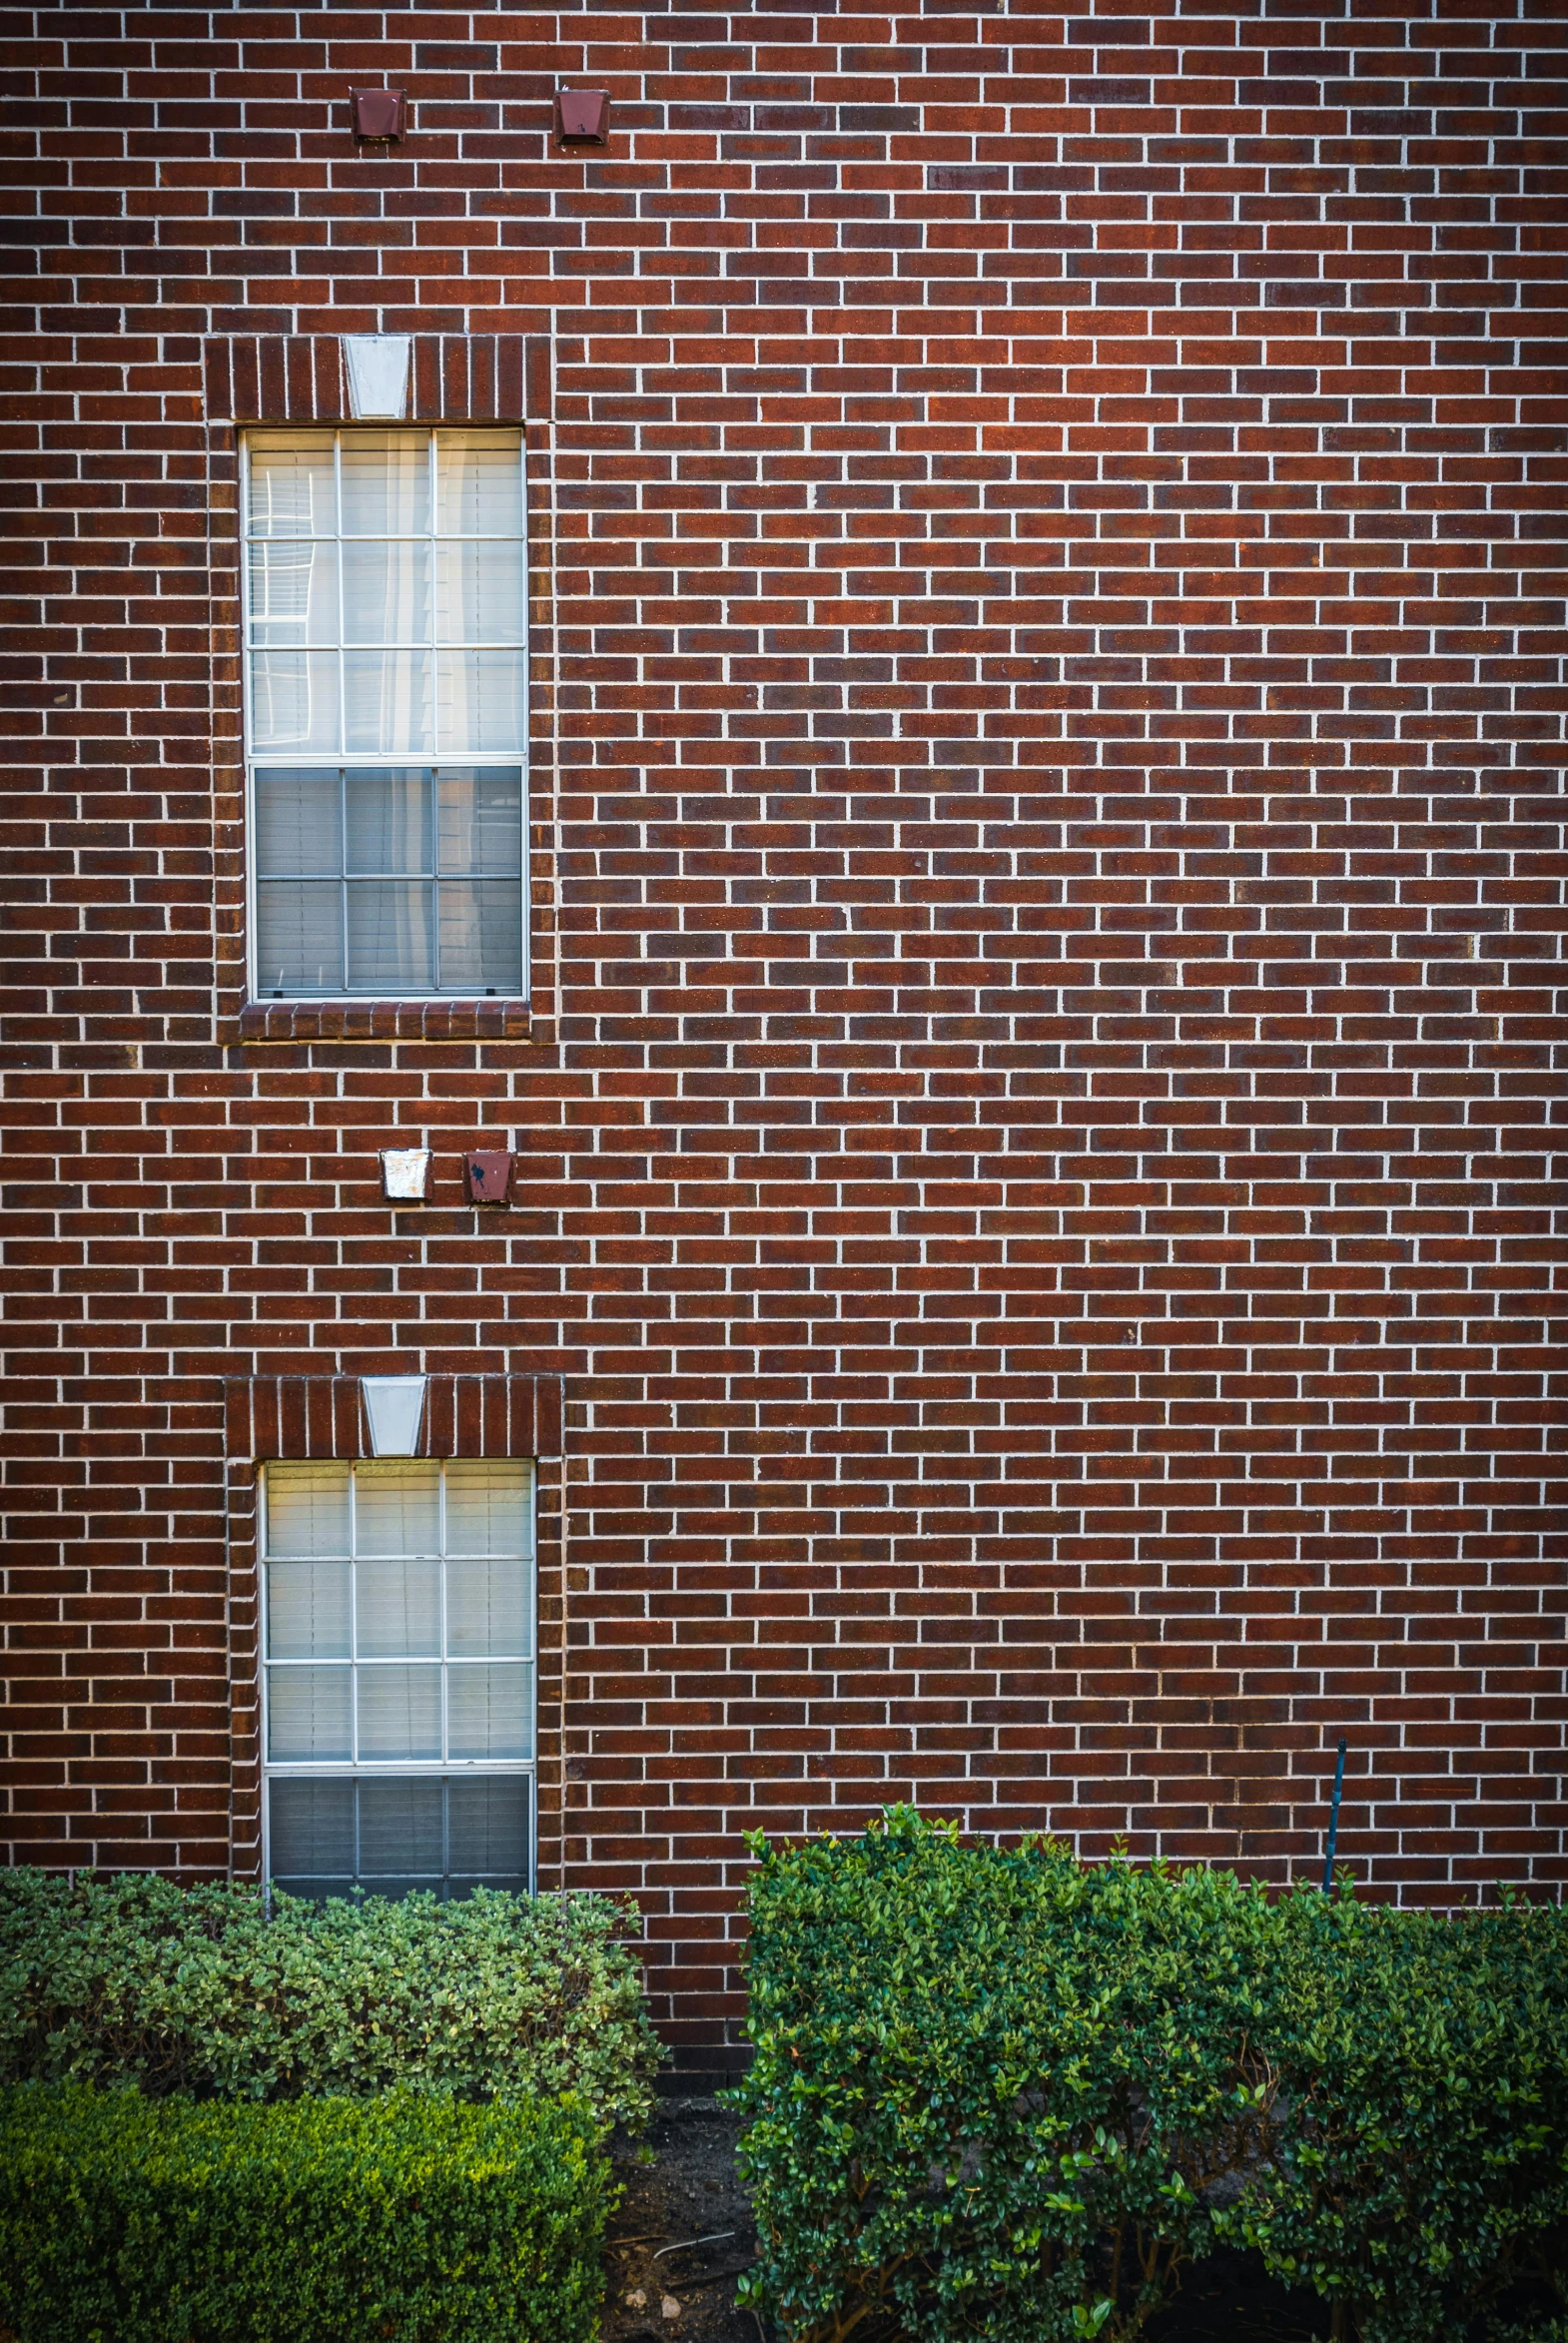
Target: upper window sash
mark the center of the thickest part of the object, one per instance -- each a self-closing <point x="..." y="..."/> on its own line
<point x="385" y="594"/>
<point x="385" y="584"/>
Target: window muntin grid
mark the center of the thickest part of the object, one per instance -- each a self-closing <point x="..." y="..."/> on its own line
<point x="385" y="594"/>
<point x="398" y="1615"/>
<point x="397" y="1626"/>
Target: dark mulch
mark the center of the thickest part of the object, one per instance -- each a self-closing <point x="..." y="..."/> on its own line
<point x="689" y="2191"/>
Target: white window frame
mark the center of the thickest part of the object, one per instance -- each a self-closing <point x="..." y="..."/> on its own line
<point x="397" y="1769"/>
<point x="363" y="760"/>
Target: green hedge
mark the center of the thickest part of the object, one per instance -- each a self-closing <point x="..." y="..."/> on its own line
<point x="125" y="2219"/>
<point x="1009" y="2096"/>
<point x="196" y="1991"/>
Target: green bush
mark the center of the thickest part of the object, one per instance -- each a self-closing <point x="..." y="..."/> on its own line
<point x="1009" y="2096"/>
<point x="125" y="2219"/>
<point x="197" y="1990"/>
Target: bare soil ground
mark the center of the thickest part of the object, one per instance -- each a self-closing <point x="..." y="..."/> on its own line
<point x="683" y="2233"/>
<point x="688" y="2192"/>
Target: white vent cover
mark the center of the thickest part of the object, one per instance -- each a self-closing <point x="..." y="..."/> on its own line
<point x="394" y="1405"/>
<point x="378" y="366"/>
<point x="404" y="1174"/>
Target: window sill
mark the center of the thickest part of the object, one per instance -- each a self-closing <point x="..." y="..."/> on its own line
<point x="387" y="1020"/>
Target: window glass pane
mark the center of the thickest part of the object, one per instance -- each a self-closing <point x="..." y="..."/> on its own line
<point x="400" y="1830"/>
<point x="311" y="1827"/>
<point x="487" y="1711"/>
<point x="291" y="485"/>
<point x="293" y="593"/>
<point x="308" y="1714"/>
<point x="481" y="934"/>
<point x="487" y="1826"/>
<point x="481" y="822"/>
<point x="397" y="1607"/>
<point x="400" y="1711"/>
<point x="298" y="819"/>
<point x="486" y="1610"/>
<point x="387" y="697"/>
<point x="389" y="820"/>
<point x="482" y="699"/>
<point x="386" y="483"/>
<point x="397" y="1509"/>
<point x="307" y="1509"/>
<point x="390" y="933"/>
<point x="294" y="700"/>
<point x="308" y="1610"/>
<point x="298" y="936"/>
<point x="386" y="592"/>
<point x="451" y="1836"/>
<point x="488" y="1509"/>
<point x="481" y="475"/>
<point x="481" y="591"/>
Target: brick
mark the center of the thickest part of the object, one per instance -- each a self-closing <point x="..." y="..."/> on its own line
<point x="1035" y="1273"/>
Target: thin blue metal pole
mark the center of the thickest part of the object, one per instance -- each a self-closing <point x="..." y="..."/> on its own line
<point x="1333" y="1822"/>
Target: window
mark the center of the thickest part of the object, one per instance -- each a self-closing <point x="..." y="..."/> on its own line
<point x="397" y="1654"/>
<point x="386" y="712"/>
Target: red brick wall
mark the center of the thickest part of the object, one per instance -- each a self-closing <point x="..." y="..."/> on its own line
<point x="1048" y="754"/>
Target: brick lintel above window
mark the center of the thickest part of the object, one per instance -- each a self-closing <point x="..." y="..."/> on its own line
<point x="309" y="1417"/>
<point x="303" y="378"/>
